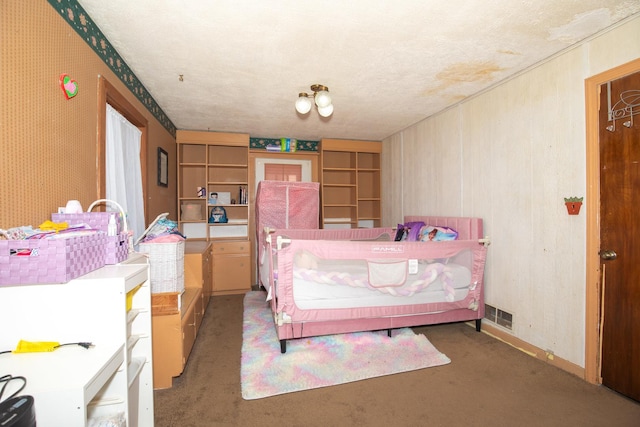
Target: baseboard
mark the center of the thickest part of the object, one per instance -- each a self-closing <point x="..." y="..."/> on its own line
<point x="531" y="350"/>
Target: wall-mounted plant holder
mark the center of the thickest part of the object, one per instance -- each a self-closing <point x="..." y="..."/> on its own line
<point x="573" y="205"/>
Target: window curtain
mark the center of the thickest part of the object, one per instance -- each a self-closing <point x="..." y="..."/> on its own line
<point x="123" y="172"/>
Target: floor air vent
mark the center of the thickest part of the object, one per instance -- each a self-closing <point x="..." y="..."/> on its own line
<point x="498" y="316"/>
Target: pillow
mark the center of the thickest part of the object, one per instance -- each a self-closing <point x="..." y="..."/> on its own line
<point x="400" y="233"/>
<point x="305" y="259"/>
<point x="436" y="234"/>
<point x="413" y="235"/>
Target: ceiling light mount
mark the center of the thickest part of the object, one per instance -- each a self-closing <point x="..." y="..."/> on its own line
<point x="321" y="98"/>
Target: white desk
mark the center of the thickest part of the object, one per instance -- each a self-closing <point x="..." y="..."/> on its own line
<point x="72" y="384"/>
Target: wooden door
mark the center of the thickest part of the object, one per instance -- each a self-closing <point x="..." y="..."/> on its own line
<point x="619" y="234"/>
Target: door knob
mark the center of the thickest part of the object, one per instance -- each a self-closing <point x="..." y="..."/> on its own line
<point x="608" y="255"/>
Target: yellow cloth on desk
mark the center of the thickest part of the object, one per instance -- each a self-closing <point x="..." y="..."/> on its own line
<point x="53" y="226"/>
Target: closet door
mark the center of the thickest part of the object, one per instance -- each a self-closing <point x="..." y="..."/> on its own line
<point x="620" y="228"/>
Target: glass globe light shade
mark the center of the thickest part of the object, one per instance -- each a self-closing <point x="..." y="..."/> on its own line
<point x="303" y="105"/>
<point x="326" y="111"/>
<point x="323" y="99"/>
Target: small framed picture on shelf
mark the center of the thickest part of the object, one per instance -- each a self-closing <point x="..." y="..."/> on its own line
<point x="219" y="198"/>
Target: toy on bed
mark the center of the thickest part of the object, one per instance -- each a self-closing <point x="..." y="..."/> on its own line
<point x="323" y="282"/>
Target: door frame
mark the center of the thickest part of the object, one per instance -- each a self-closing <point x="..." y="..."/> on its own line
<point x="594" y="271"/>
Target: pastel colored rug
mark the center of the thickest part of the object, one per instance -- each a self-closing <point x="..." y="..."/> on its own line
<point x="322" y="361"/>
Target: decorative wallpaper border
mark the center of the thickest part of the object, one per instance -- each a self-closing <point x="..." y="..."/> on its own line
<point x="81" y="22"/>
<point x="261" y="144"/>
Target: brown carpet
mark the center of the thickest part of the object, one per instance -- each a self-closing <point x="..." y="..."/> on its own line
<point x="488" y="383"/>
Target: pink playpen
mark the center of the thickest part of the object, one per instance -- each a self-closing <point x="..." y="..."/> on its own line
<point x="321" y="282"/>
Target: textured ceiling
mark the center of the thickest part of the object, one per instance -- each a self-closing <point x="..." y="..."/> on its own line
<point x="388" y="64"/>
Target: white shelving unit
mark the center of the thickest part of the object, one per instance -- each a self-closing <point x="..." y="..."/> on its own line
<point x="72" y="385"/>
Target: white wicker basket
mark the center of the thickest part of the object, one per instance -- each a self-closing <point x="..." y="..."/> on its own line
<point x="166" y="265"/>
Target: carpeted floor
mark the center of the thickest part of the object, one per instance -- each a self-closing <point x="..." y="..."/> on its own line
<point x="322" y="361"/>
<point x="487" y="383"/>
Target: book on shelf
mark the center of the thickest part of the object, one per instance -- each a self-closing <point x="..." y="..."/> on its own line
<point x="242" y="195"/>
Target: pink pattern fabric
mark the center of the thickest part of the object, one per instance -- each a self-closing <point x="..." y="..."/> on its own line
<point x="286" y="205"/>
<point x="432" y="272"/>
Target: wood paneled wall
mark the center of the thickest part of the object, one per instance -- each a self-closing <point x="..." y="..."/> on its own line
<point x="510" y="156"/>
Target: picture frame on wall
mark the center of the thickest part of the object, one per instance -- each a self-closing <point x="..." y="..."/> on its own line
<point x="163" y="168"/>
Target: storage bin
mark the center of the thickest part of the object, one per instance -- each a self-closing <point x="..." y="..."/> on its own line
<point x="166" y="266"/>
<point x="50" y="260"/>
<point x="95" y="220"/>
<point x="116" y="248"/>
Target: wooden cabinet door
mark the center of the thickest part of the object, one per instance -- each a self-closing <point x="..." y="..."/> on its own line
<point x="207" y="284"/>
<point x="231" y="267"/>
<point x="232" y="273"/>
<point x="168" y="353"/>
<point x="199" y="310"/>
<point x="188" y="332"/>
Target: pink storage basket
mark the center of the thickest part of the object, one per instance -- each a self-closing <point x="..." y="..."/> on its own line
<point x="51" y="260"/>
<point x="95" y="220"/>
<point x="117" y="247"/>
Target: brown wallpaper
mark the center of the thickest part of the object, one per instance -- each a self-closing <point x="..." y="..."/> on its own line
<point x="48" y="143"/>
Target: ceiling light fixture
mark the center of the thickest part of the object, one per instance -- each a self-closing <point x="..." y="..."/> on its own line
<point x="321" y="98"/>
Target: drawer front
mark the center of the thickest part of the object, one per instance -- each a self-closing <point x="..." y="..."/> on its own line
<point x="241" y="247"/>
